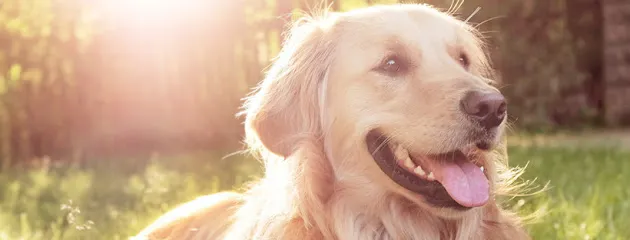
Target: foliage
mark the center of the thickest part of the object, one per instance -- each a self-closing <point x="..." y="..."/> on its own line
<point x="79" y="79"/>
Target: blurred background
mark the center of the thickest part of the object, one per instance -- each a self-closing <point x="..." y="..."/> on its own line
<point x="112" y="112"/>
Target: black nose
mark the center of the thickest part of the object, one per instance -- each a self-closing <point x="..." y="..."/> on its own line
<point x="488" y="109"/>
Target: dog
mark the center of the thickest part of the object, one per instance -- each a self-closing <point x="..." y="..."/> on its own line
<point x="376" y="123"/>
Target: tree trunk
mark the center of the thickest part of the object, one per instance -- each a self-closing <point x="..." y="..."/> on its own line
<point x="585" y="23"/>
<point x="617" y="60"/>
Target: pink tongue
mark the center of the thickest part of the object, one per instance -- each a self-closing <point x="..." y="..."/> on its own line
<point x="464" y="181"/>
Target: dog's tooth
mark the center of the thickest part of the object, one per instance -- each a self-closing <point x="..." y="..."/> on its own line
<point x="400" y="152"/>
<point x="409" y="164"/>
<point x="418" y="170"/>
<point x="481" y="168"/>
<point x="430" y="177"/>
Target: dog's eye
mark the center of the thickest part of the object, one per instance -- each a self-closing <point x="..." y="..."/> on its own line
<point x="392" y="65"/>
<point x="463" y="60"/>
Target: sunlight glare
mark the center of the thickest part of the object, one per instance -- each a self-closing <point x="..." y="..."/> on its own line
<point x="156" y="11"/>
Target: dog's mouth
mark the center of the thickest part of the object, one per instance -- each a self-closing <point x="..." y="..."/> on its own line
<point x="451" y="179"/>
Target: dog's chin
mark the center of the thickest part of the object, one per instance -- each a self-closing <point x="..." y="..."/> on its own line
<point x="450" y="183"/>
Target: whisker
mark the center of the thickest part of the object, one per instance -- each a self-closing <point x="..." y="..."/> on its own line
<point x="458" y="6"/>
<point x="472" y="14"/>
<point x="450" y="8"/>
<point x="487" y="20"/>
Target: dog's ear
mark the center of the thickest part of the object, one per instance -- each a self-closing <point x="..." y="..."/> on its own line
<point x="285" y="108"/>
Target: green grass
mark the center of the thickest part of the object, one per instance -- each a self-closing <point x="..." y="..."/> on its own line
<point x="110" y="199"/>
<point x="587" y="199"/>
<point x="588" y="196"/>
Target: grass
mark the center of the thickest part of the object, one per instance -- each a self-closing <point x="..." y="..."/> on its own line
<point x="588" y="195"/>
<point x="111" y="199"/>
<point x="587" y="199"/>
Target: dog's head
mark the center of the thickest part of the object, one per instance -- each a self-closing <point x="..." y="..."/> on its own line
<point x="399" y="97"/>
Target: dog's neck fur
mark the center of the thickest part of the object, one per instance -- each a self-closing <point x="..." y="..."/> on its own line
<point x="392" y="217"/>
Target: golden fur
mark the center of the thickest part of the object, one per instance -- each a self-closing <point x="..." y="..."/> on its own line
<point x="308" y="121"/>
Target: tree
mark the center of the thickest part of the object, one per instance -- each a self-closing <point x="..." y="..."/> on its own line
<point x="585" y="23"/>
<point x="617" y="60"/>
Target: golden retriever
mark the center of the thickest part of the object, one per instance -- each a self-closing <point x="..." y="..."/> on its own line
<point x="377" y="123"/>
